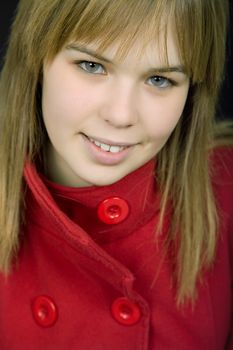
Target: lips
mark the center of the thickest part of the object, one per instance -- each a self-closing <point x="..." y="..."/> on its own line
<point x="108" y="146"/>
<point x="106" y="152"/>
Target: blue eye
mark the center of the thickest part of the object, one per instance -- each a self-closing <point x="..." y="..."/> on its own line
<point x="92" y="67"/>
<point x="160" y="82"/>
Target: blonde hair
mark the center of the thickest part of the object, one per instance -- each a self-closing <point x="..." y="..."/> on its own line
<point x="40" y="31"/>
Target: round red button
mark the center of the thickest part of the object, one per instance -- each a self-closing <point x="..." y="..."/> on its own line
<point x="113" y="210"/>
<point x="125" y="311"/>
<point x="44" y="311"/>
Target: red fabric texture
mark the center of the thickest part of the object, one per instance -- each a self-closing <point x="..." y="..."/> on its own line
<point x="76" y="277"/>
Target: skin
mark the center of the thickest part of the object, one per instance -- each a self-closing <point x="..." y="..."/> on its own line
<point x="136" y="100"/>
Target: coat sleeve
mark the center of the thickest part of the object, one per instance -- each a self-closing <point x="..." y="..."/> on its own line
<point x="230" y="339"/>
<point x="230" y="347"/>
<point x="223" y="183"/>
<point x="226" y="163"/>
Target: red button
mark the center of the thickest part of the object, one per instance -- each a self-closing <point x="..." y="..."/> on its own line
<point x="125" y="311"/>
<point x="113" y="210"/>
<point x="44" y="311"/>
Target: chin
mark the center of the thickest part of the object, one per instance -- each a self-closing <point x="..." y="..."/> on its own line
<point x="105" y="180"/>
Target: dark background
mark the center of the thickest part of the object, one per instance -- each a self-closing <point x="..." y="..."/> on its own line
<point x="225" y="106"/>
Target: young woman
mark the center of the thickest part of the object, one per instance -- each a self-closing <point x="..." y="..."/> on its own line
<point x="116" y="194"/>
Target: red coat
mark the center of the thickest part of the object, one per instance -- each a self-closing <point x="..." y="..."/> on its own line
<point x="111" y="288"/>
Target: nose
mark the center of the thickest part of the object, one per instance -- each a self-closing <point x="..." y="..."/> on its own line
<point x="120" y="105"/>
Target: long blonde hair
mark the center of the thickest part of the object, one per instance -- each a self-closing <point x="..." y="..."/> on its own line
<point x="39" y="32"/>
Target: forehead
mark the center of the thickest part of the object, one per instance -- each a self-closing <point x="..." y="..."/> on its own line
<point x="161" y="49"/>
<point x="106" y="22"/>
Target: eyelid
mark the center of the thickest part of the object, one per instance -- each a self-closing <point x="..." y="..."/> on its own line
<point x="170" y="82"/>
<point x="79" y="62"/>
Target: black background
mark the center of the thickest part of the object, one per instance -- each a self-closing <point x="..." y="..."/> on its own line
<point x="225" y="106"/>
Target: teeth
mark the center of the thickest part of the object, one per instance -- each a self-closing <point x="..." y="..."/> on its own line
<point x="97" y="143"/>
<point x="116" y="149"/>
<point x="104" y="147"/>
<point x="107" y="148"/>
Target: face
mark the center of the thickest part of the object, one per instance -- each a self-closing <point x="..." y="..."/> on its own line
<point x="107" y="117"/>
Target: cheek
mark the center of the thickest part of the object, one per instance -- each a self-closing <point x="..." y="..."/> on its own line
<point x="67" y="100"/>
<point x="163" y="116"/>
<point x="62" y="108"/>
<point x="56" y="99"/>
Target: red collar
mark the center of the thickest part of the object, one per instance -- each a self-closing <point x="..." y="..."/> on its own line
<point x="127" y="204"/>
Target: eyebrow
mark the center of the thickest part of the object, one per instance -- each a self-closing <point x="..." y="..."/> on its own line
<point x="90" y="52"/>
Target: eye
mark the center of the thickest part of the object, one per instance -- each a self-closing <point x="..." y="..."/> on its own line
<point x="160" y="82"/>
<point x="92" y="67"/>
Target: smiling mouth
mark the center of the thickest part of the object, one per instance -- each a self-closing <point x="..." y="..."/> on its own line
<point x="112" y="148"/>
<point x="108" y="148"/>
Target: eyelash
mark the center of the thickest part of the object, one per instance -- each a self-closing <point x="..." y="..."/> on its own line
<point x="162" y="80"/>
<point x="86" y="66"/>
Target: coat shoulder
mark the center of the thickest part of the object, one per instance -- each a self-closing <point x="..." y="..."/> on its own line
<point x="221" y="167"/>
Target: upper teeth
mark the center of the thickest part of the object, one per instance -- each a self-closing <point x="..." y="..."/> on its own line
<point x="107" y="148"/>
